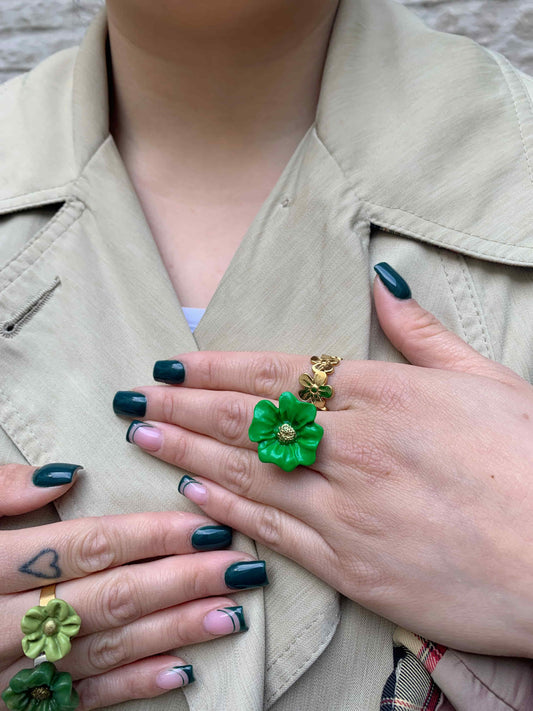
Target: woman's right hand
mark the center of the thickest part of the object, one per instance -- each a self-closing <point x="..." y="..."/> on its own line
<point x="130" y="612"/>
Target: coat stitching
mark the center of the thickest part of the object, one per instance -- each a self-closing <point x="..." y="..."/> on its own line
<point x="507" y="64"/>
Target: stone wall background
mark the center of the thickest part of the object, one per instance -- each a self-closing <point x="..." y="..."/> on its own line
<point x="30" y="30"/>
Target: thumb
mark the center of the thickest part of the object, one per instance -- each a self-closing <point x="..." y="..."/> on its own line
<point x="25" y="488"/>
<point x="421" y="338"/>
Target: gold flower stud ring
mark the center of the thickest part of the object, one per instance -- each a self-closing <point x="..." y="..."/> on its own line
<point x="315" y="387"/>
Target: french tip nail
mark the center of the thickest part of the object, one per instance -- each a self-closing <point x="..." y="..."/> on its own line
<point x="192" y="490"/>
<point x="175" y="677"/>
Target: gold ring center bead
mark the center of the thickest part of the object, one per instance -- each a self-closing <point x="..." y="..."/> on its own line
<point x="41" y="693"/>
<point x="286" y="434"/>
<point x="49" y="628"/>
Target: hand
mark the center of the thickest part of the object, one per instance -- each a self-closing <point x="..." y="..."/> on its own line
<point x="129" y="613"/>
<point x="420" y="503"/>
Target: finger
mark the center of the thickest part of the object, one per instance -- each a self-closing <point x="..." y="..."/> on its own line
<point x="139" y="680"/>
<point x="223" y="416"/>
<point x="123" y="595"/>
<point x="72" y="549"/>
<point x="26" y="488"/>
<point x="264" y="374"/>
<point x="275" y="529"/>
<point x="421" y="338"/>
<point x="241" y="471"/>
<point x="176" y="627"/>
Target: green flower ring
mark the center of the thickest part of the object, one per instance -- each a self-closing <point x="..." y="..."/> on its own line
<point x="47" y="629"/>
<point x="287" y="435"/>
<point x="41" y="689"/>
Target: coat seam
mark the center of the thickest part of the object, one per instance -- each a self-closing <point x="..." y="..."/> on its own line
<point x="367" y="202"/>
<point x="25" y="267"/>
<point x="503" y="62"/>
<point x="478" y="308"/>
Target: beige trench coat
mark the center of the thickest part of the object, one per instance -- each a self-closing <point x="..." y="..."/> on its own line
<point x="421" y="155"/>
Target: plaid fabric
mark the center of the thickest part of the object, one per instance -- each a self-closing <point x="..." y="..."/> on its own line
<point x="410" y="686"/>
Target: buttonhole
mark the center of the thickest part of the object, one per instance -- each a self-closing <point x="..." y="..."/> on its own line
<point x="12" y="326"/>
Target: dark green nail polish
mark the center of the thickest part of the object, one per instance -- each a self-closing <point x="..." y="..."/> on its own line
<point x="211" y="538"/>
<point x="55" y="474"/>
<point x="129" y="403"/>
<point x="238" y="614"/>
<point x="187" y="670"/>
<point x="171" y="372"/>
<point x="393" y="281"/>
<point x="135" y="424"/>
<point x="250" y="574"/>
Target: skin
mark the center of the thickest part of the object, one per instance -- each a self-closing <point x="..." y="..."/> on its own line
<point x="130" y="613"/>
<point x="209" y="101"/>
<point x="420" y="497"/>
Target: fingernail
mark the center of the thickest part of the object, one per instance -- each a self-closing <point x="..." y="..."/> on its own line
<point x="129" y="403"/>
<point x="144" y="435"/>
<point x="55" y="474"/>
<point x="171" y="372"/>
<point x="192" y="490"/>
<point x="175" y="677"/>
<point x="211" y="538"/>
<point x="244" y="575"/>
<point x="393" y="281"/>
<point x="226" y="620"/>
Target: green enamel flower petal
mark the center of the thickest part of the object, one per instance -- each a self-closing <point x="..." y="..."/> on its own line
<point x="33" y="619"/>
<point x="32" y="648"/>
<point x="57" y="646"/>
<point x="275" y="453"/>
<point x="325" y="391"/>
<point x="265" y="421"/>
<point x="304" y="455"/>
<point x="290" y="458"/>
<point x="65" y="696"/>
<point x="311" y="435"/>
<point x="296" y="412"/>
<point x="270" y="451"/>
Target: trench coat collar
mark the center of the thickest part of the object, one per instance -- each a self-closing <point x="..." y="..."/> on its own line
<point x="433" y="132"/>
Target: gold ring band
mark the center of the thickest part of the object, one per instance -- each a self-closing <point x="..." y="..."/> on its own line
<point x="47" y="593"/>
<point x="315" y="387"/>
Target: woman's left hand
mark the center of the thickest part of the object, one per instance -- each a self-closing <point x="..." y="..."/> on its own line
<point x="420" y="503"/>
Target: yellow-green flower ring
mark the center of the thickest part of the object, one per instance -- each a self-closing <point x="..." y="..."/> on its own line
<point x="48" y="630"/>
<point x="287" y="436"/>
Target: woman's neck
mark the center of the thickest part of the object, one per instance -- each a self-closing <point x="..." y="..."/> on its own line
<point x="206" y="96"/>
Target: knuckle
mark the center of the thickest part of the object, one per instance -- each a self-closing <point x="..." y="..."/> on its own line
<point x="179" y="450"/>
<point x="119" y="600"/>
<point x="230" y="419"/>
<point x="395" y="393"/>
<point x="108" y="650"/>
<point x="237" y="472"/>
<point x="199" y="583"/>
<point x="95" y="549"/>
<point x="89" y="691"/>
<point x="205" y="368"/>
<point x="168" y="406"/>
<point x="267" y="372"/>
<point x="269" y="526"/>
